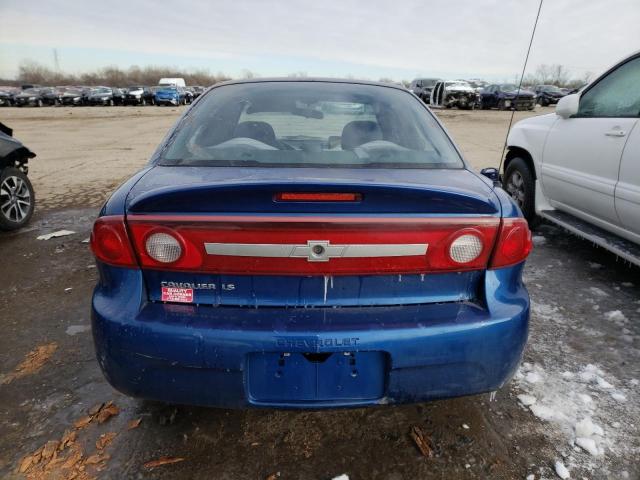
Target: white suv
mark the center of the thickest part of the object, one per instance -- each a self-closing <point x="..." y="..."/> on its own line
<point x="580" y="167"/>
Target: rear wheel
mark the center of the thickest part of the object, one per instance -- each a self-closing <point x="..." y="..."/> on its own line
<point x="17" y="199"/>
<point x="520" y="185"/>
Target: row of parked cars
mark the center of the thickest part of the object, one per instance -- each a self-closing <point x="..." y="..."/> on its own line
<point x="37" y="96"/>
<point x="469" y="94"/>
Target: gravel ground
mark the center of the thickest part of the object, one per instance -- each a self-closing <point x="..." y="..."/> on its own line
<point x="578" y="384"/>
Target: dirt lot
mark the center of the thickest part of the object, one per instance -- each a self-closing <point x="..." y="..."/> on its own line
<point x="579" y="378"/>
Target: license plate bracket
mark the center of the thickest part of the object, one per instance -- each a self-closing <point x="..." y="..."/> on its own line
<point x="316" y="377"/>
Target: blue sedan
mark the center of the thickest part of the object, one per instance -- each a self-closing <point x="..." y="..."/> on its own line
<point x="308" y="244"/>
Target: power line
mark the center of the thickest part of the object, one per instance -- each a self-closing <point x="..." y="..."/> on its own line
<point x="524" y="67"/>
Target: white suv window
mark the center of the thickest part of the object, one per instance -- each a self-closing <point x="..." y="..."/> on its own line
<point x="616" y="95"/>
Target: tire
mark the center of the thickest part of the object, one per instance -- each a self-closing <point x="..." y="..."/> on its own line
<point x="39" y="103"/>
<point x="143" y="102"/>
<point x="520" y="185"/>
<point x="111" y="102"/>
<point x="544" y="102"/>
<point x="483" y="106"/>
<point x="15" y="189"/>
<point x="501" y="105"/>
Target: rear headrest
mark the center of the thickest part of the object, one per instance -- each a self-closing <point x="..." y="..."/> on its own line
<point x="358" y="132"/>
<point x="261" y="131"/>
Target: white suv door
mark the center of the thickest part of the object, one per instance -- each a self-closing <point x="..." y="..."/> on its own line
<point x="581" y="158"/>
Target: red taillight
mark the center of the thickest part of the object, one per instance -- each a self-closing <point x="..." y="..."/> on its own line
<point x="110" y="242"/>
<point x="317" y="197"/>
<point x="514" y="243"/>
<point x="314" y="245"/>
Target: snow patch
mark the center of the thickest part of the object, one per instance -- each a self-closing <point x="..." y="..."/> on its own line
<point x="616" y="316"/>
<point x="588" y="445"/>
<point x="598" y="291"/>
<point x="561" y="470"/>
<point x="526" y="400"/>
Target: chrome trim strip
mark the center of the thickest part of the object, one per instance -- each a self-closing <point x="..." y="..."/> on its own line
<point x="316" y="250"/>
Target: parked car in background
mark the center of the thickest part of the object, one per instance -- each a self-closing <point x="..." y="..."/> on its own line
<point x="72" y="96"/>
<point x="172" y="82"/>
<point x="579" y="167"/>
<point x="118" y="95"/>
<point x="29" y="97"/>
<point x="52" y="95"/>
<point x="197" y="91"/>
<point x="189" y="95"/>
<point x="454" y="93"/>
<point x="139" y="95"/>
<point x="6" y="98"/>
<point x="548" y="94"/>
<point x="17" y="199"/>
<point x="170" y="96"/>
<point x="105" y="96"/>
<point x="507" y="96"/>
<point x="390" y="271"/>
<point x="422" y="87"/>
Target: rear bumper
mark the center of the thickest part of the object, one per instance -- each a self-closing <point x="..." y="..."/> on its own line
<point x="207" y="355"/>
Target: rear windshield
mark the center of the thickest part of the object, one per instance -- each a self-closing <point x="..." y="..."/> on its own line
<point x="310" y="124"/>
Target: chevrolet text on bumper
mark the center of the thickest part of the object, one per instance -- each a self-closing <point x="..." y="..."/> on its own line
<point x="290" y="285"/>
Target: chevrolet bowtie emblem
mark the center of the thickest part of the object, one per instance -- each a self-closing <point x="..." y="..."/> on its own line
<point x="316" y="250"/>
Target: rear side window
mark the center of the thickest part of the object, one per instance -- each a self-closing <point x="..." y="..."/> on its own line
<point x="310" y="124"/>
<point x="616" y="95"/>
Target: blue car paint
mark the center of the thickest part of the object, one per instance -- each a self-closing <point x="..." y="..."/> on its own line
<point x="168" y="95"/>
<point x="443" y="336"/>
<point x="205" y="190"/>
<point x="198" y="354"/>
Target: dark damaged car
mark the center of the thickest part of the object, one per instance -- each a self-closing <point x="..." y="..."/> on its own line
<point x="72" y="97"/>
<point x="106" y="96"/>
<point x="548" y="94"/>
<point x="276" y="254"/>
<point x="6" y="98"/>
<point x="29" y="97"/>
<point x="507" y="96"/>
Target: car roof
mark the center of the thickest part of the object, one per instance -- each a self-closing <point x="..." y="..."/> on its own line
<point x="310" y="80"/>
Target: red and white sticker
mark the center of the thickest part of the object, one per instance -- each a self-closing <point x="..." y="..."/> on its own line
<point x="173" y="294"/>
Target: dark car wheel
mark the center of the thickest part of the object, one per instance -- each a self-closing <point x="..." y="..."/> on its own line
<point x="17" y="199"/>
<point x="483" y="106"/>
<point x="519" y="183"/>
<point x="544" y="102"/>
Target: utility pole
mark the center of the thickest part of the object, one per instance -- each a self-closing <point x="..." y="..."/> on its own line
<point x="56" y="61"/>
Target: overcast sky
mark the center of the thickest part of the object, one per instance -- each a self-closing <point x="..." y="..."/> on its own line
<point x="363" y="38"/>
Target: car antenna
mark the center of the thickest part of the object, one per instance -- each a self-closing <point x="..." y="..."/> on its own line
<point x="524" y="67"/>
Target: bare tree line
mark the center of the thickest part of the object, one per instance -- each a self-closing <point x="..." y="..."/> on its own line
<point x="112" y="76"/>
<point x="555" y="75"/>
<point x="35" y="73"/>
